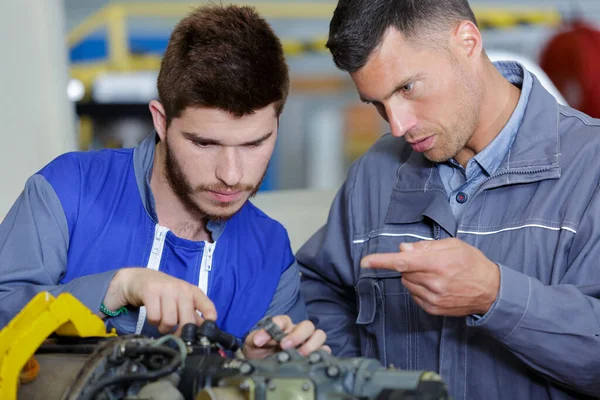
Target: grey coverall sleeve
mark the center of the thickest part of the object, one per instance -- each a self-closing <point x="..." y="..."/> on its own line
<point x="326" y="265"/>
<point x="34" y="241"/>
<point x="288" y="299"/>
<point x="555" y="329"/>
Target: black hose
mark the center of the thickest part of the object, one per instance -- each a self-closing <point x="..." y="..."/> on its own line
<point x="66" y="349"/>
<point x="70" y="345"/>
<point x="146" y="376"/>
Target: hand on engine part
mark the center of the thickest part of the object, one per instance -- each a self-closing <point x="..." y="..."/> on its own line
<point x="169" y="301"/>
<point x="259" y="344"/>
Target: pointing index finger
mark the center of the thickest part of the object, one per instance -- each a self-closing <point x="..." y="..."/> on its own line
<point x="401" y="262"/>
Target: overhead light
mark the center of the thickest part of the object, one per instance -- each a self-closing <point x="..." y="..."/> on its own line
<point x="75" y="90"/>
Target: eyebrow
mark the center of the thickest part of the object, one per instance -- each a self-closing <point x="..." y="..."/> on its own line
<point x="396" y="89"/>
<point x="206" y="141"/>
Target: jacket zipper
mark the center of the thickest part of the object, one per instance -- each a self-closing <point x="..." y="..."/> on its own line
<point x="502" y="173"/>
<point x="509" y="172"/>
<point x="160" y="234"/>
<point x="206" y="266"/>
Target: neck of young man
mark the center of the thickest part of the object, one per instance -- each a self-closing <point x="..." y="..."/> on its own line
<point x="499" y="101"/>
<point x="171" y="211"/>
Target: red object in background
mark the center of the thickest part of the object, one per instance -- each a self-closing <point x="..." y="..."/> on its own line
<point x="572" y="61"/>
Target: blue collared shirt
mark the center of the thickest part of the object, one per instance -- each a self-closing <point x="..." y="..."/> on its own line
<point x="461" y="183"/>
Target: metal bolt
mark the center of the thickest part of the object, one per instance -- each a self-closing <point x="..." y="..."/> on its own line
<point x="306" y="386"/>
<point x="204" y="341"/>
<point x="368" y="376"/>
<point x="314" y="358"/>
<point x="283" y="357"/>
<point x="332" y="371"/>
<point x="245" y="368"/>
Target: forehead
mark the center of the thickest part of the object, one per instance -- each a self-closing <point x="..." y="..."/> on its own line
<point x="213" y="123"/>
<point x="397" y="58"/>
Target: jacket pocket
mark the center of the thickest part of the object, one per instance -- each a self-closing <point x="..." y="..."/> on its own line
<point x="387" y="328"/>
<point x="389" y="321"/>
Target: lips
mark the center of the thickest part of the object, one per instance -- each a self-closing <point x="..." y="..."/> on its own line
<point x="225" y="197"/>
<point x="423" y="145"/>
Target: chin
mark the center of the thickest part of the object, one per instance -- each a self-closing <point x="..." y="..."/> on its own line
<point x="436" y="157"/>
<point x="223" y="211"/>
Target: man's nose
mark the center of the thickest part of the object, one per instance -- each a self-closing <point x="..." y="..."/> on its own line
<point x="401" y="119"/>
<point x="229" y="166"/>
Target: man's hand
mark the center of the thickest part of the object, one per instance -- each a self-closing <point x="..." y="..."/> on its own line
<point x="259" y="343"/>
<point x="169" y="301"/>
<point x="445" y="277"/>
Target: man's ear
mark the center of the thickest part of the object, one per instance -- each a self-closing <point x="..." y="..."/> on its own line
<point x="159" y="119"/>
<point x="467" y="40"/>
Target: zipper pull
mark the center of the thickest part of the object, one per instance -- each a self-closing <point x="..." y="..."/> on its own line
<point x="209" y="249"/>
<point x="157" y="238"/>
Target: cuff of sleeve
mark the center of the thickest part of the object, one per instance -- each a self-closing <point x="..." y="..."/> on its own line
<point x="510" y="306"/>
<point x="91" y="290"/>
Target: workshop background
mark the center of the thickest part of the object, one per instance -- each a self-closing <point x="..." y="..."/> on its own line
<point x="78" y="74"/>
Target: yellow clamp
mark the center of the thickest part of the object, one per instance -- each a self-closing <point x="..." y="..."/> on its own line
<point x="42" y="316"/>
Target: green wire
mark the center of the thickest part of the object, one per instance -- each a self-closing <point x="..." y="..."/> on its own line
<point x="178" y="341"/>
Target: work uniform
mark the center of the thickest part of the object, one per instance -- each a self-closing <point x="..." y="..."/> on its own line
<point x="87" y="214"/>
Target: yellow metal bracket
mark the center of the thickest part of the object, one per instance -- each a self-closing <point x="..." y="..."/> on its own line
<point x="42" y="316"/>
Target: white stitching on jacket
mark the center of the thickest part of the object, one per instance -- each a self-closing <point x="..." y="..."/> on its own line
<point x="566" y="228"/>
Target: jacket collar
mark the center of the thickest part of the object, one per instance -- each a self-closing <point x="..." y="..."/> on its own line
<point x="537" y="144"/>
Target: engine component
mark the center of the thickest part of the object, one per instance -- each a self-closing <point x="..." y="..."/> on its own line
<point x="141" y="368"/>
<point x="272" y="329"/>
<point x="288" y="375"/>
<point x="194" y="367"/>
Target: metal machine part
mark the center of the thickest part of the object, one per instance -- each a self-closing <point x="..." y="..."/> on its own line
<point x="136" y="368"/>
<point x="272" y="328"/>
<point x="82" y="362"/>
<point x="41" y="317"/>
<point x="288" y="375"/>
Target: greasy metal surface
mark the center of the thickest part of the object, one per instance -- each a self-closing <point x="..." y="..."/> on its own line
<point x="96" y="365"/>
<point x="222" y="393"/>
<point x="290" y="389"/>
<point x="57" y="373"/>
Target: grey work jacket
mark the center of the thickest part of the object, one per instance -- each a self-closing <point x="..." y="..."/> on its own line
<point x="537" y="217"/>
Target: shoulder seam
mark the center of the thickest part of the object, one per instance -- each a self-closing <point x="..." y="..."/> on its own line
<point x="586" y="122"/>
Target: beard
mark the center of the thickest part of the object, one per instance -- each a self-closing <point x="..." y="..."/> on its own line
<point x="182" y="188"/>
<point x="462" y="130"/>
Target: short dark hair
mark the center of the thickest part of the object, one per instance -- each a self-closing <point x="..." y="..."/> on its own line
<point x="224" y="57"/>
<point x="358" y="26"/>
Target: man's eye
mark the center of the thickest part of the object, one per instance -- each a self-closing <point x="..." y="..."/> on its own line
<point x="408" y="88"/>
<point x="202" y="145"/>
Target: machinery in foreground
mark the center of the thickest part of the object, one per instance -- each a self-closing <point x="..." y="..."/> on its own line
<point x="83" y="362"/>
